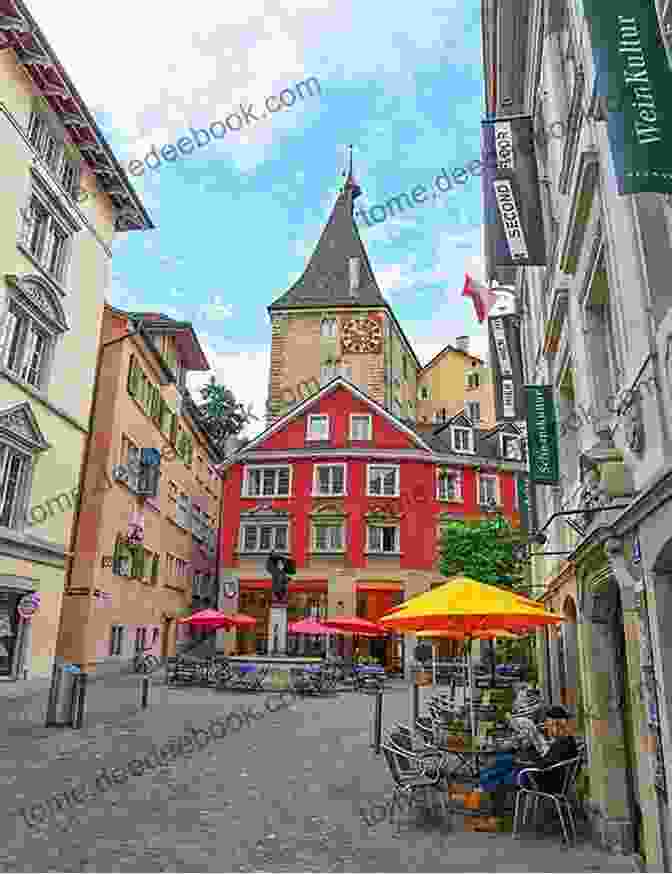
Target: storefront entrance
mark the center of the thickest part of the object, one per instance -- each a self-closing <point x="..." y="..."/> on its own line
<point x="9" y="631"/>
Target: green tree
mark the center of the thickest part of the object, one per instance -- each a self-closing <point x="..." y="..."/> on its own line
<point x="487" y="551"/>
<point x="222" y="414"/>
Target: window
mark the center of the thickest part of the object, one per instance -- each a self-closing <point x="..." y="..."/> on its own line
<point x="383" y="538"/>
<point x="264" y="538"/>
<point x="463" y="440"/>
<point x="332" y="369"/>
<point x="45" y="238"/>
<point x="267" y="482"/>
<point x="328" y="328"/>
<point x="449" y="486"/>
<point x="424" y="393"/>
<point x="511" y="447"/>
<point x="396" y="408"/>
<point x="14" y="468"/>
<point x="318" y="428"/>
<point x="130" y="458"/>
<point x="183" y="510"/>
<point x="361" y="427"/>
<point x="117" y="641"/>
<point x="140" y="639"/>
<point x="329" y="538"/>
<point x="383" y="480"/>
<point x="473" y="410"/>
<point x="473" y="380"/>
<point x="329" y="479"/>
<point x="488" y="492"/>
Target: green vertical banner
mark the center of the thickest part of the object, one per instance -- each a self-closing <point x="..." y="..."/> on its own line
<point x="523" y="487"/>
<point x="634" y="75"/>
<point x="542" y="435"/>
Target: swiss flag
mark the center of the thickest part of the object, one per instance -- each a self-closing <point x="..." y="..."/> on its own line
<point x="483" y="297"/>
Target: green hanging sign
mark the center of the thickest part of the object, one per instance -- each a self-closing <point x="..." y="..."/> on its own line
<point x="633" y="73"/>
<point x="523" y="488"/>
<point x="542" y="435"/>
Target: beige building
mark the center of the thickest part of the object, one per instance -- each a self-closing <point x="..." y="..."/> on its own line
<point x="55" y="267"/>
<point x="145" y="547"/>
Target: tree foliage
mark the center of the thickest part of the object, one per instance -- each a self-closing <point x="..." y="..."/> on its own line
<point x="222" y="415"/>
<point x="484" y="550"/>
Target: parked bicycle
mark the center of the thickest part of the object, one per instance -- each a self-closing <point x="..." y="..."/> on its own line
<point x="146" y="663"/>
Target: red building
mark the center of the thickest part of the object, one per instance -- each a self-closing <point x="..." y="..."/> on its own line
<point x="357" y="497"/>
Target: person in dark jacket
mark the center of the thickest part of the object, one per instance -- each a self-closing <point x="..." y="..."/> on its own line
<point x="563" y="747"/>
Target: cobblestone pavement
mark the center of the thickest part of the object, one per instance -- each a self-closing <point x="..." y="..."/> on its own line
<point x="283" y="794"/>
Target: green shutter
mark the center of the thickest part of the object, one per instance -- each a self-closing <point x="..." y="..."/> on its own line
<point x="157" y="407"/>
<point x="173" y="430"/>
<point x="132" y="377"/>
<point x="190" y="449"/>
<point x="155" y="568"/>
<point x="138" y="563"/>
<point x="118" y="554"/>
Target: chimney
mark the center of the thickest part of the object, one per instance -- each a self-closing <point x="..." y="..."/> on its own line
<point x="354" y="276"/>
<point x="462" y="343"/>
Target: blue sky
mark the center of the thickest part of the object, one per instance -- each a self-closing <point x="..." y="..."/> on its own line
<point x="237" y="220"/>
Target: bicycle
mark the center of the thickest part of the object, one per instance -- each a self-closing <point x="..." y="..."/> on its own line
<point x="146" y="663"/>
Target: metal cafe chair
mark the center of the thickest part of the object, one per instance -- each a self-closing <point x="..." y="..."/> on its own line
<point x="413" y="772"/>
<point x="530" y="791"/>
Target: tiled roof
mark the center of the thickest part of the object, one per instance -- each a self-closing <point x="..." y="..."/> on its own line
<point x="326" y="279"/>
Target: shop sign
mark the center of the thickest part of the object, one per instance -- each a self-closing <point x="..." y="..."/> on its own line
<point x="542" y="435"/>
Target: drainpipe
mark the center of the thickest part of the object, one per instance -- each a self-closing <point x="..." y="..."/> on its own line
<point x="87" y="454"/>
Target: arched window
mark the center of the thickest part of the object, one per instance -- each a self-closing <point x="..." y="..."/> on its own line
<point x="30" y="324"/>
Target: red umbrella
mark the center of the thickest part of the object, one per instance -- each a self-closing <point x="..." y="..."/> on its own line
<point x="241" y="619"/>
<point x="207" y="619"/>
<point x="356" y="625"/>
<point x="308" y="626"/>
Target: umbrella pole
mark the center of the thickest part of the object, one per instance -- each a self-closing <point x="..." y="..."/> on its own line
<point x="434" y="664"/>
<point x="470" y="668"/>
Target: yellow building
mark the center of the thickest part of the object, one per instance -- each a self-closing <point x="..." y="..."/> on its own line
<point x="455" y="380"/>
<point x="63" y="198"/>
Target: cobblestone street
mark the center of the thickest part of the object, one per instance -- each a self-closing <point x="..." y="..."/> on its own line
<point x="283" y="794"/>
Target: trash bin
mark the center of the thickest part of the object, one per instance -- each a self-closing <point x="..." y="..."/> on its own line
<point x="62" y="695"/>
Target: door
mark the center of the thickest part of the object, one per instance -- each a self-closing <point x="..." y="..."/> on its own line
<point x="9" y="627"/>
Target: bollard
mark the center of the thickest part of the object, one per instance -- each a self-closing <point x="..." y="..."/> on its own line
<point x="378" y="721"/>
<point x="78" y="701"/>
<point x="145" y="693"/>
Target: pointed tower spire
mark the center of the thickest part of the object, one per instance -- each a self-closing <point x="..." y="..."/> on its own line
<point x="350" y="183"/>
<point x="339" y="272"/>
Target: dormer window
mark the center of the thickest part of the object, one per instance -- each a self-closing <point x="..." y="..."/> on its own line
<point x="463" y="439"/>
<point x="328" y="328"/>
<point x="511" y="447"/>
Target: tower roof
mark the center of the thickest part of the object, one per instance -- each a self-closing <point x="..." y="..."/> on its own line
<point x="326" y="279"/>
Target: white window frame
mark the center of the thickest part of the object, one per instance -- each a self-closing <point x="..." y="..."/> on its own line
<point x="131" y="461"/>
<point x="369" y="432"/>
<point x="485" y="477"/>
<point x="316" y="481"/>
<point x="329" y="549"/>
<point x="453" y="431"/>
<point x="457" y="476"/>
<point x="42" y="253"/>
<point x="258" y="525"/>
<point x="19" y="503"/>
<point x="370" y="468"/>
<point x="310" y="435"/>
<point x="468" y="407"/>
<point x="397" y="538"/>
<point x="117" y="635"/>
<point x="511" y="437"/>
<point x="245" y="493"/>
<point x="332" y="327"/>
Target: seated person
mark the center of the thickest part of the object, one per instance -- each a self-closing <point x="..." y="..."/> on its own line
<point x="563" y="747"/>
<point x="528" y="702"/>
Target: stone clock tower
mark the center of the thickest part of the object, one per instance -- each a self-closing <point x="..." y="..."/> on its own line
<point x="334" y="321"/>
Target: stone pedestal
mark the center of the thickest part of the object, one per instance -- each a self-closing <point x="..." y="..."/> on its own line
<point x="277" y="631"/>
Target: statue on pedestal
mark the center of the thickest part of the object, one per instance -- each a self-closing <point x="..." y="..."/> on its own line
<point x="279" y="568"/>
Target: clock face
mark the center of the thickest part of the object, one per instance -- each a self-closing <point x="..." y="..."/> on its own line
<point x="362" y="335"/>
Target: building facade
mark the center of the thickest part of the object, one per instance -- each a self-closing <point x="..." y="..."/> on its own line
<point x="55" y="267"/>
<point x="598" y="328"/>
<point x="146" y="528"/>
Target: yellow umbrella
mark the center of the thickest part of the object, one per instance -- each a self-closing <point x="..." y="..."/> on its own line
<point x="468" y="606"/>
